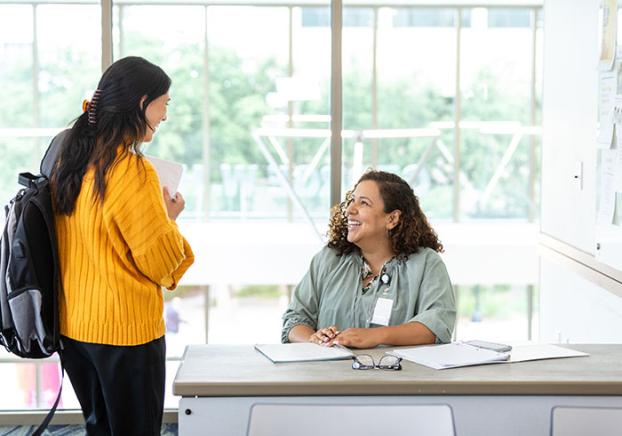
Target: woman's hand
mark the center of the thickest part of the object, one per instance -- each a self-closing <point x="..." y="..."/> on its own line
<point x="324" y="336"/>
<point x="174" y="205"/>
<point x="359" y="338"/>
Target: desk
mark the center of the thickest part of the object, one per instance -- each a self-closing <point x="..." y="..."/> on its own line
<point x="219" y="384"/>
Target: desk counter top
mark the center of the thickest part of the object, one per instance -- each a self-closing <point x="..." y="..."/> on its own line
<point x="240" y="370"/>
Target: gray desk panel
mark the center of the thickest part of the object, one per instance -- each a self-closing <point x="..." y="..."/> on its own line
<point x="481" y="415"/>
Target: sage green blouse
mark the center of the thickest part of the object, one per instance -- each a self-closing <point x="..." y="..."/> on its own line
<point x="331" y="294"/>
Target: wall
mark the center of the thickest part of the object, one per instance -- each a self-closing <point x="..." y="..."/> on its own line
<point x="580" y="296"/>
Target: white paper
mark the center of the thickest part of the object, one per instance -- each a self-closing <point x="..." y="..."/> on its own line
<point x="451" y="355"/>
<point x="524" y="353"/>
<point x="382" y="312"/>
<point x="302" y="352"/>
<point x="617" y="118"/>
<point x="458" y="354"/>
<point x="618" y="168"/>
<point x="607" y="194"/>
<point x="606" y="105"/>
<point x="169" y="173"/>
<point x="608" y="43"/>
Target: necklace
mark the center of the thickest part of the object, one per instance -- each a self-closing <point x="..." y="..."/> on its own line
<point x="367" y="272"/>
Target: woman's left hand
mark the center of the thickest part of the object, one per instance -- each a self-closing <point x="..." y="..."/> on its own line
<point x="174" y="205"/>
<point x="359" y="338"/>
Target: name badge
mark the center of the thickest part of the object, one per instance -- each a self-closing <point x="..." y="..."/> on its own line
<point x="382" y="312"/>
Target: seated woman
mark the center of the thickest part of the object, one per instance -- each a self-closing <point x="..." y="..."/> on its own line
<point x="380" y="279"/>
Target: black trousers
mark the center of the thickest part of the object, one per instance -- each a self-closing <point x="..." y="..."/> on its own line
<point x="120" y="388"/>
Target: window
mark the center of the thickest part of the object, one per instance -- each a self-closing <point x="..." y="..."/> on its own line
<point x="250" y="121"/>
<point x="424" y="17"/>
<point x="46" y="72"/>
<point x="509" y="18"/>
<point x="320" y="17"/>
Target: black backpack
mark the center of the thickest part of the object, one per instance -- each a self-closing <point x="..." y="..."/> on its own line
<point x="30" y="271"/>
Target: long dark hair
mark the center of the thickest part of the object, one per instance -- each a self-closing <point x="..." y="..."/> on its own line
<point x="113" y="118"/>
<point x="413" y="229"/>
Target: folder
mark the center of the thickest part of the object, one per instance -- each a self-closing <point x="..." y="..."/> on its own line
<point x="452" y="355"/>
<point x="459" y="354"/>
<point x="302" y="352"/>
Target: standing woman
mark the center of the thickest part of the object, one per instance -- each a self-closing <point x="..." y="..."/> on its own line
<point x="118" y="245"/>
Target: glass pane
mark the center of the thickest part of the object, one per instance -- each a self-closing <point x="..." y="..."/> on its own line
<point x="248" y="122"/>
<point x="69" y="66"/>
<point x="497" y="313"/>
<point x="16" y="43"/>
<point x="498" y="156"/>
<point x="43" y="68"/>
<point x="398" y="114"/>
<point x="170" y="401"/>
<point x="18" y="385"/>
<point x="184" y="314"/>
<point x="174" y="40"/>
<point x="33" y="385"/>
<point x="46" y="72"/>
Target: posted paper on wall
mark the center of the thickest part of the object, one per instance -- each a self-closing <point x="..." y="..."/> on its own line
<point x="606" y="104"/>
<point x="618" y="170"/>
<point x="607" y="194"/>
<point x="608" y="43"/>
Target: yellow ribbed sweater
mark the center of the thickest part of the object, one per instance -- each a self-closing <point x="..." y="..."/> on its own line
<point x="116" y="255"/>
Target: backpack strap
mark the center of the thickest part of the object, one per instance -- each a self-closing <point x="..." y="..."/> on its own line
<point x="49" y="159"/>
<point x="39" y="431"/>
<point x="25" y="179"/>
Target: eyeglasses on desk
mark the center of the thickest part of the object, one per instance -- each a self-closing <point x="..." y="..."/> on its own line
<point x="386" y="362"/>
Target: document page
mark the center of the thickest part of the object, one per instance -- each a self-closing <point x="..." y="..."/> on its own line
<point x="524" y="353"/>
<point x="302" y="352"/>
<point x="169" y="173"/>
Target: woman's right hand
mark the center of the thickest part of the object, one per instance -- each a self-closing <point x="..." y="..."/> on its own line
<point x="324" y="336"/>
<point x="174" y="205"/>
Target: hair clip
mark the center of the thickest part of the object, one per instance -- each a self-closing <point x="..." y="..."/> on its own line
<point x="85" y="105"/>
<point x="92" y="107"/>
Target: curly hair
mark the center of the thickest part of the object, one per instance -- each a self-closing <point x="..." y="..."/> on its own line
<point x="413" y="230"/>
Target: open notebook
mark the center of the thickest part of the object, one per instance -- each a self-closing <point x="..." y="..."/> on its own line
<point x="458" y="354"/>
<point x="302" y="352"/>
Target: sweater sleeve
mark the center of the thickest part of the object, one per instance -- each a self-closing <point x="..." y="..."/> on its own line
<point x="136" y="206"/>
